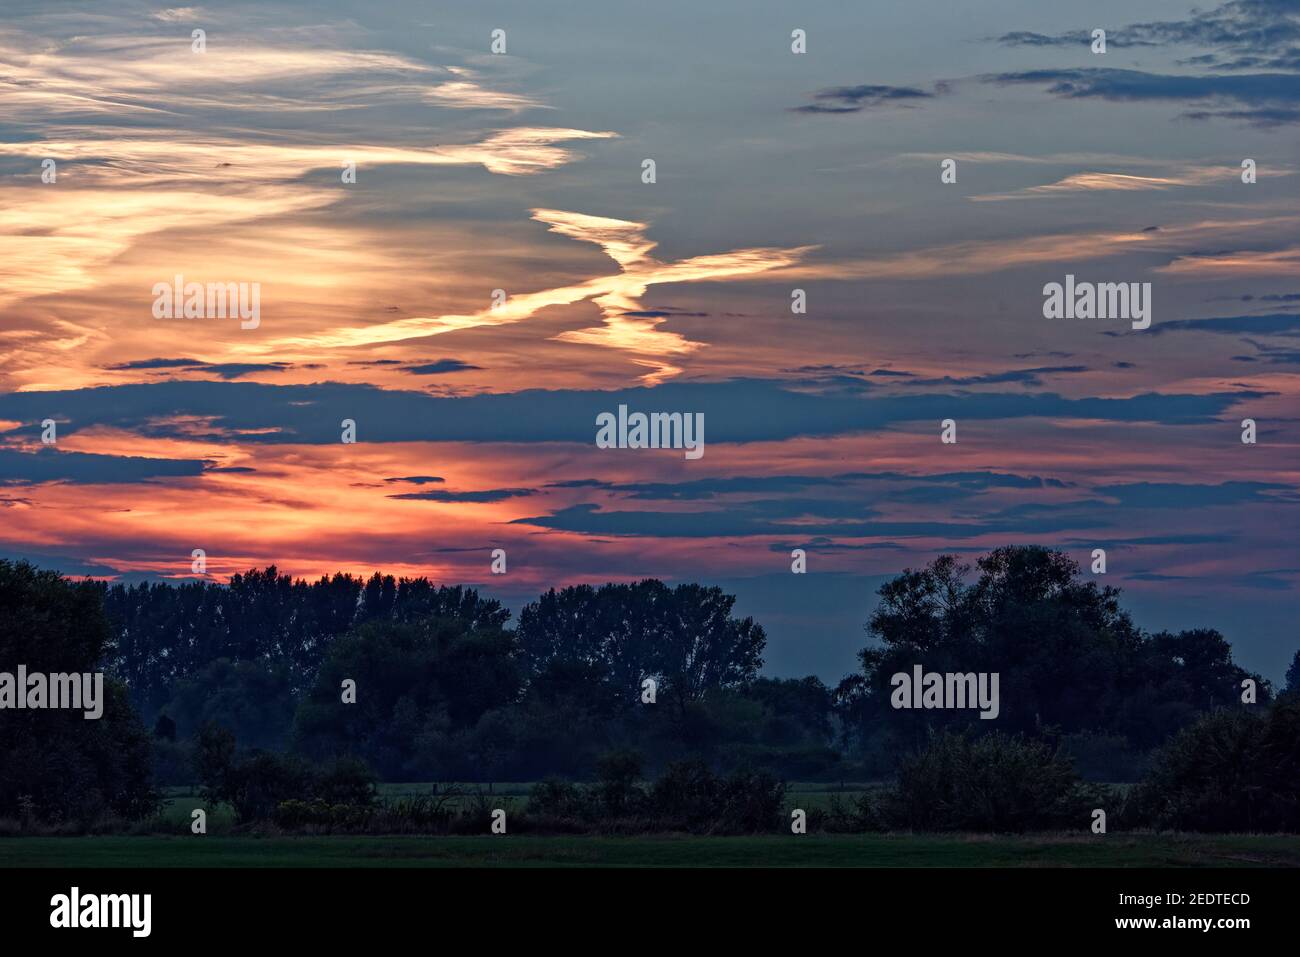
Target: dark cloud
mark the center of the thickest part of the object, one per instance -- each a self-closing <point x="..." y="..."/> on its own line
<point x="50" y="465"/>
<point x="485" y="495"/>
<point x="775" y="518"/>
<point x="440" y="367"/>
<point x="1147" y="495"/>
<point x="1275" y="357"/>
<point x="1263" y="118"/>
<point x="1243" y="34"/>
<point x="226" y="370"/>
<point x="736" y="410"/>
<point x="1025" y="376"/>
<point x="1270" y="325"/>
<point x="825" y="546"/>
<point x="1272" y="297"/>
<point x="1027" y="38"/>
<point x="960" y="484"/>
<point x="417" y="479"/>
<point x="65" y="564"/>
<point x="1176" y="539"/>
<point x="237" y="370"/>
<point x="855" y="99"/>
<point x="1266" y="98"/>
<point x="153" y="364"/>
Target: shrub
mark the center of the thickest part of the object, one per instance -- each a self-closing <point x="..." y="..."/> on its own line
<point x="752" y="802"/>
<point x="348" y="781"/>
<point x="562" y="800"/>
<point x="618" y="773"/>
<point x="995" y="782"/>
<point x="686" y="796"/>
<point x="257" y="785"/>
<point x="319" y="815"/>
<point x="1228" y="771"/>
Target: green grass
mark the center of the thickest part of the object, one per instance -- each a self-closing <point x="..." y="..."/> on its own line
<point x="222" y="848"/>
<point x="857" y="850"/>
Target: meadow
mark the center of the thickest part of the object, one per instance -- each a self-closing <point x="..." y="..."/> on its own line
<point x="223" y="846"/>
<point x="812" y="850"/>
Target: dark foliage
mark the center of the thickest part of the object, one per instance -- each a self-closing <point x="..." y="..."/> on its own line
<point x="993" y="783"/>
<point x="55" y="765"/>
<point x="1230" y="771"/>
<point x="1070" y="659"/>
<point x="255" y="784"/>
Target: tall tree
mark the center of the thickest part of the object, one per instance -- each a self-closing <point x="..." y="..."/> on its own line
<point x="1068" y="657"/>
<point x="55" y="762"/>
<point x="619" y="635"/>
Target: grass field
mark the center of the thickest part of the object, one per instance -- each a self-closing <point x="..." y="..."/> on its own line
<point x="856" y="850"/>
<point x="221" y="847"/>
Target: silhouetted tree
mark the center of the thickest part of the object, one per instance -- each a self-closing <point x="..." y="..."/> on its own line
<point x="1069" y="658"/>
<point x="55" y="761"/>
<point x="616" y="636"/>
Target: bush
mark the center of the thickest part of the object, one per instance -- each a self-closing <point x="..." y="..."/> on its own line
<point x="559" y="800"/>
<point x="618" y="773"/>
<point x="1229" y="771"/>
<point x="321" y="816"/>
<point x="686" y="796"/>
<point x="348" y="781"/>
<point x="257" y="784"/>
<point x="753" y="802"/>
<point x="996" y="782"/>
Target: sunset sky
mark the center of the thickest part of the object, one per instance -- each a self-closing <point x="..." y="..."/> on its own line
<point x="775" y="171"/>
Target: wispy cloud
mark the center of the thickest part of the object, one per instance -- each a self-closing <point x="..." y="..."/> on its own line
<point x="1099" y="182"/>
<point x="1266" y="99"/>
<point x="1243" y="34"/>
<point x="617" y="295"/>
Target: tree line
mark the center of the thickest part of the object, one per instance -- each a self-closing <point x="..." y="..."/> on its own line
<point x="447" y="689"/>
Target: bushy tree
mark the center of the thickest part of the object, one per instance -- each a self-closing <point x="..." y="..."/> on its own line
<point x="1069" y="658"/>
<point x="1230" y="771"/>
<point x="257" y="783"/>
<point x="416" y="682"/>
<point x="55" y="762"/>
<point x="614" y="637"/>
<point x="995" y="782"/>
<point x="163" y="633"/>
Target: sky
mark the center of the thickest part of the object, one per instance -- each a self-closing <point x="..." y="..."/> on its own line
<point x="499" y="272"/>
